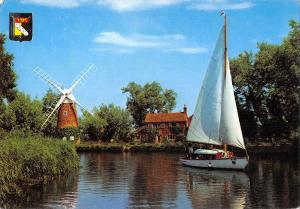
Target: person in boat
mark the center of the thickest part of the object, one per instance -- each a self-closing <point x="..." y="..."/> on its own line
<point x="190" y="150"/>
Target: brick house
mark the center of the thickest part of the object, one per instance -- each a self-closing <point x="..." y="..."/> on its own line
<point x="167" y="125"/>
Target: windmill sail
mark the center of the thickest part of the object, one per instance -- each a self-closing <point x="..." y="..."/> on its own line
<point x="215" y="119"/>
<point x="66" y="106"/>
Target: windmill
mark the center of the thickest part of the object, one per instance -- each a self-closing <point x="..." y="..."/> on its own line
<point x="66" y="105"/>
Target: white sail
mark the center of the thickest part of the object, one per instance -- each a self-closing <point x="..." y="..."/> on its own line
<point x="230" y="130"/>
<point x="205" y="124"/>
<point x="215" y="119"/>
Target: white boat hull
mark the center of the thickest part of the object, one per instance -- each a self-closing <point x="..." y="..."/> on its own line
<point x="226" y="163"/>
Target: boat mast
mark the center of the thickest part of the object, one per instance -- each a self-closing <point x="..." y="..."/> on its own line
<point x="225" y="43"/>
<point x="225" y="54"/>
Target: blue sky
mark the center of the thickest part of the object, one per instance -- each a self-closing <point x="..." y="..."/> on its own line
<point x="168" y="41"/>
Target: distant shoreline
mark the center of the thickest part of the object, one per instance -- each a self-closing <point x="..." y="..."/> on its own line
<point x="252" y="149"/>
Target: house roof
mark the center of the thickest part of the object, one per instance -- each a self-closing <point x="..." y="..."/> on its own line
<point x="166" y="117"/>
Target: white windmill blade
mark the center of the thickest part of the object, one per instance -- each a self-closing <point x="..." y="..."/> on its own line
<point x="83" y="76"/>
<point x="54" y="109"/>
<point x="47" y="78"/>
<point x="50" y="108"/>
<point x="80" y="105"/>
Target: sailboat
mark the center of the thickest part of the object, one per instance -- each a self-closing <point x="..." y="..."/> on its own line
<point x="215" y="121"/>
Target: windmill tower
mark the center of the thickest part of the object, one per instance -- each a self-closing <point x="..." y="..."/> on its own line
<point x="66" y="105"/>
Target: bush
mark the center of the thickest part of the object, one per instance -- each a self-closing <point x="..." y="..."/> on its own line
<point x="67" y="132"/>
<point x="31" y="161"/>
<point x="149" y="134"/>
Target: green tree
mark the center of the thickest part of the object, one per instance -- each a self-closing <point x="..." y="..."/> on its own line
<point x="149" y="134"/>
<point x="150" y="98"/>
<point x="92" y="126"/>
<point x="7" y="75"/>
<point x="22" y="114"/>
<point x="49" y="101"/>
<point x="267" y="87"/>
<point x="108" y="122"/>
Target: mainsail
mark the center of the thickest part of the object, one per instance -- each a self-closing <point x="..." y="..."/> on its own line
<point x="215" y="119"/>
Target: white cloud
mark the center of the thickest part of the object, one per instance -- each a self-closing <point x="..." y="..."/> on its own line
<point x="207" y="5"/>
<point x="136" y="5"/>
<point x="139" y="5"/>
<point x="112" y="50"/>
<point x="114" y="41"/>
<point x="54" y="3"/>
<point x="190" y="50"/>
<point x="117" y="5"/>
<point x="136" y="40"/>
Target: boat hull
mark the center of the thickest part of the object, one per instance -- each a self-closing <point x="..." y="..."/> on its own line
<point x="226" y="163"/>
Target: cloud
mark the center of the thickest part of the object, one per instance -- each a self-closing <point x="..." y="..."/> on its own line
<point x="136" y="40"/>
<point x="190" y="50"/>
<point x="209" y="5"/>
<point x="117" y="5"/>
<point x="140" y="5"/>
<point x="112" y="50"/>
<point x="114" y="41"/>
<point x="55" y="3"/>
<point x="136" y="5"/>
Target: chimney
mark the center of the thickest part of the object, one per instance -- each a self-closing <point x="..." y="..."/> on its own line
<point x="185" y="109"/>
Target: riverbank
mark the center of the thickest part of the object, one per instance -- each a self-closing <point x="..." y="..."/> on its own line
<point x="29" y="161"/>
<point x="141" y="147"/>
<point x="290" y="148"/>
<point x="262" y="148"/>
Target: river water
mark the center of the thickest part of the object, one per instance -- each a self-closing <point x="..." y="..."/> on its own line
<point x="157" y="180"/>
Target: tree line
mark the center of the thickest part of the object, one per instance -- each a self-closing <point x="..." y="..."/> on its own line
<point x="266" y="87"/>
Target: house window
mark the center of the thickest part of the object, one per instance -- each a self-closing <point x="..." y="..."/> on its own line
<point x="162" y="125"/>
<point x="173" y="124"/>
<point x="65" y="113"/>
<point x="177" y="124"/>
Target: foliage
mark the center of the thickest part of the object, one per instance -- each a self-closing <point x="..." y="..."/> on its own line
<point x="92" y="126"/>
<point x="7" y="75"/>
<point x="28" y="161"/>
<point x="176" y="130"/>
<point x="67" y="132"/>
<point x="107" y="122"/>
<point x="179" y="133"/>
<point x="148" y="134"/>
<point x="267" y="87"/>
<point x="49" y="101"/>
<point x="22" y="114"/>
<point x="180" y="137"/>
<point x="150" y="98"/>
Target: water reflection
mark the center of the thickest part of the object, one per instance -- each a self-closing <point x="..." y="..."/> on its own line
<point x="62" y="193"/>
<point x="215" y="188"/>
<point x="157" y="180"/>
<point x="154" y="182"/>
<point x="275" y="183"/>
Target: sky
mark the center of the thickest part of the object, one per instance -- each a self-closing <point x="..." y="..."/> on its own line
<point x="167" y="41"/>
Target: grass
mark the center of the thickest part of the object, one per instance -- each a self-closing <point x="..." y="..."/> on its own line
<point x="30" y="161"/>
